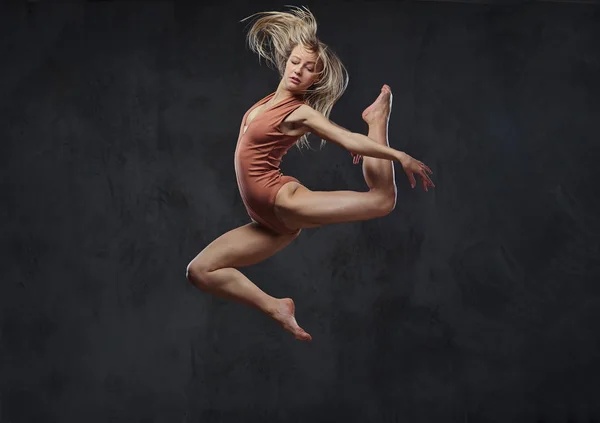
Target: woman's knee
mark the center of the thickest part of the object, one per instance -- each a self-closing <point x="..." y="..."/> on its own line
<point x="197" y="273"/>
<point x="386" y="201"/>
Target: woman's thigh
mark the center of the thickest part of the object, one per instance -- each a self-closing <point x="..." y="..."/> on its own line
<point x="243" y="246"/>
<point x="298" y="207"/>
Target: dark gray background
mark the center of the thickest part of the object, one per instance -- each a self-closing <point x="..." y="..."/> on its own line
<point x="478" y="301"/>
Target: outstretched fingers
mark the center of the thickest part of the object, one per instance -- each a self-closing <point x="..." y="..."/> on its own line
<point x="422" y="171"/>
<point x="425" y="179"/>
<point x="425" y="167"/>
<point x="426" y="182"/>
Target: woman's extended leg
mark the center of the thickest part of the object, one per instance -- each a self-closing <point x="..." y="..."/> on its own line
<point x="299" y="207"/>
<point x="379" y="173"/>
<point x="214" y="270"/>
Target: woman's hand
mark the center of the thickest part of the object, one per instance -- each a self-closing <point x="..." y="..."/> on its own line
<point x="412" y="166"/>
<point x="356" y="158"/>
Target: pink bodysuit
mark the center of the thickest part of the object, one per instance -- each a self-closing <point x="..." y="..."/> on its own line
<point x="257" y="158"/>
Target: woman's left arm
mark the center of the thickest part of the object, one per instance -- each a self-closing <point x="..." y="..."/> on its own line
<point x="356" y="143"/>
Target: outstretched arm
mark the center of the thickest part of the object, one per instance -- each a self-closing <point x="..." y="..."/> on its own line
<point x="354" y="142"/>
<point x="359" y="144"/>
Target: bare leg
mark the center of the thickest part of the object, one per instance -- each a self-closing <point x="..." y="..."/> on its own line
<point x="214" y="271"/>
<point x="379" y="173"/>
<point x="299" y="207"/>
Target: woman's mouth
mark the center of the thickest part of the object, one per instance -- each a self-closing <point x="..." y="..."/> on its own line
<point x="294" y="80"/>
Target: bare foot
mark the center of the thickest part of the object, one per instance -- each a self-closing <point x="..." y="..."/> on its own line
<point x="381" y="107"/>
<point x="284" y="315"/>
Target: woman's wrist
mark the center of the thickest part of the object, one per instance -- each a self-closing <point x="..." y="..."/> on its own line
<point x="402" y="157"/>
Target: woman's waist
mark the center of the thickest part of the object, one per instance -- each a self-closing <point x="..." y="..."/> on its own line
<point x="256" y="166"/>
<point x="257" y="176"/>
<point x="257" y="154"/>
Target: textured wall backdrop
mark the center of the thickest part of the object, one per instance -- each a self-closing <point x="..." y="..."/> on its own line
<point x="478" y="301"/>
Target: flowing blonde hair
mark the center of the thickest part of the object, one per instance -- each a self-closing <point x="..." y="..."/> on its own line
<point x="273" y="36"/>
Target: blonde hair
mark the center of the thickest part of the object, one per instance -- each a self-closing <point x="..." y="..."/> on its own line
<point x="273" y="36"/>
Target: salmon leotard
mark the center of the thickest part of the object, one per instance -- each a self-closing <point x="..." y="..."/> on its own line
<point x="257" y="158"/>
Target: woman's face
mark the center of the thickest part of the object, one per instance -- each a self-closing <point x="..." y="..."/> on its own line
<point x="300" y="70"/>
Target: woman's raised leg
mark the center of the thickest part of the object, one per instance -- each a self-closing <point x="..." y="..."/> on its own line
<point x="379" y="173"/>
<point x="299" y="207"/>
<point x="214" y="270"/>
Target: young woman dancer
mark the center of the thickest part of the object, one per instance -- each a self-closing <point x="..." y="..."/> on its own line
<point x="312" y="80"/>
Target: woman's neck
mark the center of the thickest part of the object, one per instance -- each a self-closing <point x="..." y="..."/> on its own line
<point x="281" y="93"/>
